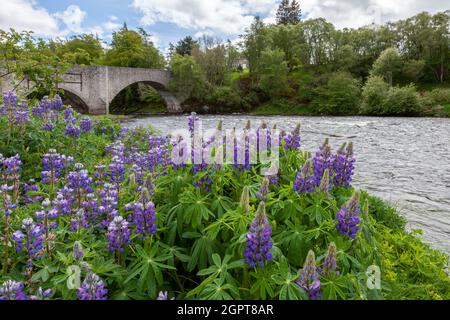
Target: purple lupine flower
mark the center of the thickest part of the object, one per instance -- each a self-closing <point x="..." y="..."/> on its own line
<point x="293" y="139"/>
<point x="12" y="167"/>
<point x="163" y="295"/>
<point x="100" y="174"/>
<point x="78" y="253"/>
<point x="92" y="288"/>
<point x="86" y="124"/>
<point x="21" y="116"/>
<point x="192" y="123"/>
<point x="344" y="166"/>
<point x="62" y="204"/>
<point x="117" y="170"/>
<point x="90" y="206"/>
<point x="72" y="129"/>
<point x="348" y="217"/>
<point x="31" y="239"/>
<point x="263" y="190"/>
<point x="45" y="216"/>
<point x="108" y="203"/>
<point x="309" y="277"/>
<point x="78" y="221"/>
<point x="48" y="126"/>
<point x="80" y="182"/>
<point x="53" y="165"/>
<point x="322" y="160"/>
<point x="143" y="216"/>
<point x="259" y="243"/>
<point x="12" y="290"/>
<point x="42" y="294"/>
<point x="118" y="234"/>
<point x="8" y="205"/>
<point x="57" y="103"/>
<point x="30" y="187"/>
<point x="304" y="182"/>
<point x="68" y="114"/>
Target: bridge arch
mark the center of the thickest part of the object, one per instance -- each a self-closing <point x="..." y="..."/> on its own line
<point x="74" y="100"/>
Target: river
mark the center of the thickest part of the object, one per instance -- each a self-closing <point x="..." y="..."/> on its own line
<point x="405" y="161"/>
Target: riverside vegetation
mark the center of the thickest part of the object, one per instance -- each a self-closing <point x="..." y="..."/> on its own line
<point x="86" y="199"/>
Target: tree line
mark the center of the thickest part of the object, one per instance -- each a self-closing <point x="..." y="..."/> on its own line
<point x="295" y="65"/>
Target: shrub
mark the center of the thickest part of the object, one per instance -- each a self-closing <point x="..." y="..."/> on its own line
<point x="373" y="96"/>
<point x="402" y="101"/>
<point x="340" y="95"/>
<point x="440" y="96"/>
<point x="226" y="99"/>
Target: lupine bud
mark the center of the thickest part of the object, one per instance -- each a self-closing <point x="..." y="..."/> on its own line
<point x="245" y="199"/>
<point x="78" y="253"/>
<point x="325" y="186"/>
<point x="309" y="277"/>
<point x="263" y="190"/>
<point x="330" y="259"/>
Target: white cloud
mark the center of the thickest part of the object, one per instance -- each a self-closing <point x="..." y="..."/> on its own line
<point x="224" y="16"/>
<point x="357" y="13"/>
<point x="26" y="15"/>
<point x="72" y="17"/>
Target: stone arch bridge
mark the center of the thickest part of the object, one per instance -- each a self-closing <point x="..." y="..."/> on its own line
<point x="94" y="87"/>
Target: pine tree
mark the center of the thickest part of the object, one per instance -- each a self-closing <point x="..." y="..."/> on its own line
<point x="288" y="13"/>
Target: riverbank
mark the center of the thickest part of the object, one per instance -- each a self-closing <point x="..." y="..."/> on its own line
<point x="198" y="221"/>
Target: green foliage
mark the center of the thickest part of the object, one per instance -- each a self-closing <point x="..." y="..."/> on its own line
<point x="24" y="57"/>
<point x="196" y="252"/>
<point x="273" y="73"/>
<point x="84" y="49"/>
<point x="226" y="99"/>
<point x="188" y="80"/>
<point x="133" y="49"/>
<point x="402" y="101"/>
<point x="388" y="65"/>
<point x="340" y="95"/>
<point x="374" y="95"/>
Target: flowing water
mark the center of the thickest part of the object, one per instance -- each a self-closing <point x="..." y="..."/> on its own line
<point x="405" y="161"/>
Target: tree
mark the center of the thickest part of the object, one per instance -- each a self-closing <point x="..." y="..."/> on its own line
<point x="288" y="12"/>
<point x="388" y="65"/>
<point x="188" y="80"/>
<point x="185" y="45"/>
<point x="133" y="49"/>
<point x="340" y="95"/>
<point x="255" y="41"/>
<point x="373" y="96"/>
<point x="210" y="54"/>
<point x="273" y="73"/>
<point x="22" y="57"/>
<point x="84" y="49"/>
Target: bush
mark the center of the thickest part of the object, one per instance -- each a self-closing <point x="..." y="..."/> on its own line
<point x="403" y="101"/>
<point x="373" y="96"/>
<point x="226" y="99"/>
<point x="340" y="95"/>
<point x="440" y="96"/>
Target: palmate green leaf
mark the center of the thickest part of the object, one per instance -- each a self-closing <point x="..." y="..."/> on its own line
<point x="201" y="253"/>
<point x="194" y="207"/>
<point x="219" y="270"/>
<point x="148" y="266"/>
<point x="221" y="204"/>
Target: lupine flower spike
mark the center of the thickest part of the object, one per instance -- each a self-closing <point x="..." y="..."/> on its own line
<point x="309" y="277"/>
<point x="259" y="242"/>
<point x="348" y="217"/>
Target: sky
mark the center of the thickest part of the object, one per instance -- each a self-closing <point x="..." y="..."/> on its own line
<point x="170" y="20"/>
